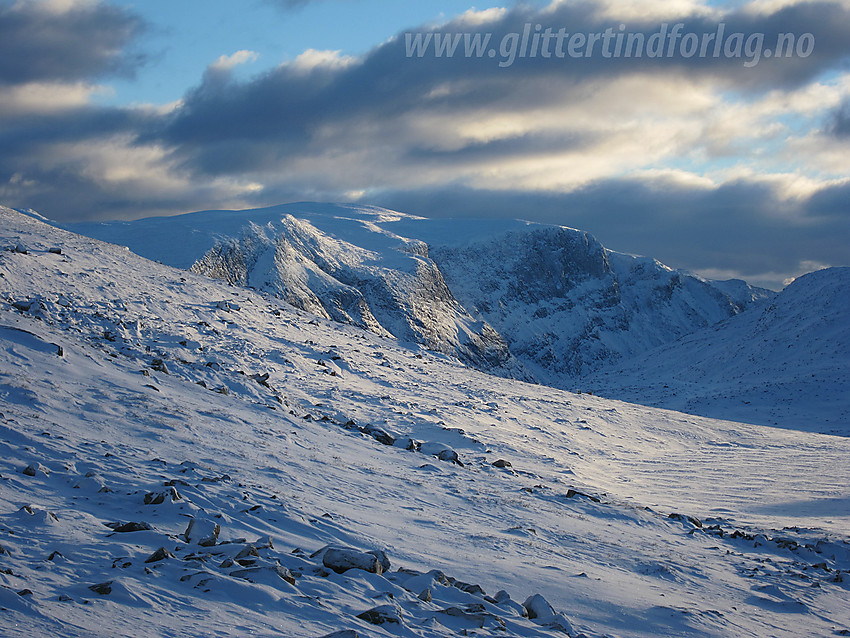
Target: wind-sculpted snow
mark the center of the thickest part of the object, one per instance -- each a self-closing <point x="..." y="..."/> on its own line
<point x="182" y="457"/>
<point x="528" y="301"/>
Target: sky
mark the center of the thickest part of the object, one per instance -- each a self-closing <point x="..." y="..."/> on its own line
<point x="666" y="128"/>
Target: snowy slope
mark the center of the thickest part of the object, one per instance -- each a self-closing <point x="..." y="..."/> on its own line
<point x="529" y="301"/>
<point x="161" y="382"/>
<point x="787" y="364"/>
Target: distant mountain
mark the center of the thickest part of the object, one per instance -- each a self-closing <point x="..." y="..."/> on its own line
<point x="530" y="301"/>
<point x="785" y="364"/>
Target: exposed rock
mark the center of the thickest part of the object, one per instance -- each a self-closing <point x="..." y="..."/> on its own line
<point x="450" y="456"/>
<point x="158" y="555"/>
<point x="264" y="543"/>
<point x="468" y="588"/>
<point x="158" y="498"/>
<point x="382" y="614"/>
<point x="411" y="445"/>
<point x="341" y="559"/>
<point x="682" y="518"/>
<point x="538" y="608"/>
<point x="425" y="595"/>
<point x="203" y="532"/>
<point x="560" y="622"/>
<point x="382" y="559"/>
<point x="571" y="493"/>
<point x="159" y="366"/>
<point x="227" y="306"/>
<point x="501" y="463"/>
<point x="248" y="550"/>
<point x="379" y="435"/>
<point x="130" y="527"/>
<point x="104" y="589"/>
<point x="252" y="573"/>
<point x="35" y="468"/>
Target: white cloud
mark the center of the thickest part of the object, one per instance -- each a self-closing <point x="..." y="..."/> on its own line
<point x="47" y="97"/>
<point x="314" y="58"/>
<point x="644" y="10"/>
<point x="228" y="62"/>
<point x="475" y="18"/>
<point x="56" y="7"/>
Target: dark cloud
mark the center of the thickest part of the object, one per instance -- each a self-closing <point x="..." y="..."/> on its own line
<point x="743" y="226"/>
<point x="289" y="111"/>
<point x="839" y="122"/>
<point x="87" y="41"/>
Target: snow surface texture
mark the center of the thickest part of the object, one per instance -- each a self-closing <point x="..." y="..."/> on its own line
<point x="528" y="301"/>
<point x="786" y="365"/>
<point x="178" y="454"/>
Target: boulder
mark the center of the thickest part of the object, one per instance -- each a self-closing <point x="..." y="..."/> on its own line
<point x="158" y="498"/>
<point x="35" y="468"/>
<point x="379" y="435"/>
<point x="203" y="532"/>
<point x="381" y="615"/>
<point x="341" y="559"/>
<point x="411" y="445"/>
<point x="538" y="608"/>
<point x="130" y="527"/>
<point x="102" y="589"/>
<point x="158" y="555"/>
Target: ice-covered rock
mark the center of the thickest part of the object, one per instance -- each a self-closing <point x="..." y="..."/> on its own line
<point x="341" y="559"/>
<point x="202" y="531"/>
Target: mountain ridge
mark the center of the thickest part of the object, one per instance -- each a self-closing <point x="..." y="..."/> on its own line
<point x="421" y="280"/>
<point x="787" y="364"/>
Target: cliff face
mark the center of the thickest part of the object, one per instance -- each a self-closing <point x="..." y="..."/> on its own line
<point x="396" y="290"/>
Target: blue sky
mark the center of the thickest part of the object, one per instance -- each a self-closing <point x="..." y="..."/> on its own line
<point x="730" y="166"/>
<point x="185" y="36"/>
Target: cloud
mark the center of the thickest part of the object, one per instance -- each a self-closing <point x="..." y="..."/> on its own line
<point x="839" y="122"/>
<point x="228" y="62"/>
<point x="745" y="225"/>
<point x="404" y="107"/>
<point x="65" y="41"/>
<point x="705" y="163"/>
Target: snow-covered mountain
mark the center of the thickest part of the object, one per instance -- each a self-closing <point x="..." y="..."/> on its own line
<point x="183" y="457"/>
<point x="787" y="364"/>
<point x="529" y="301"/>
